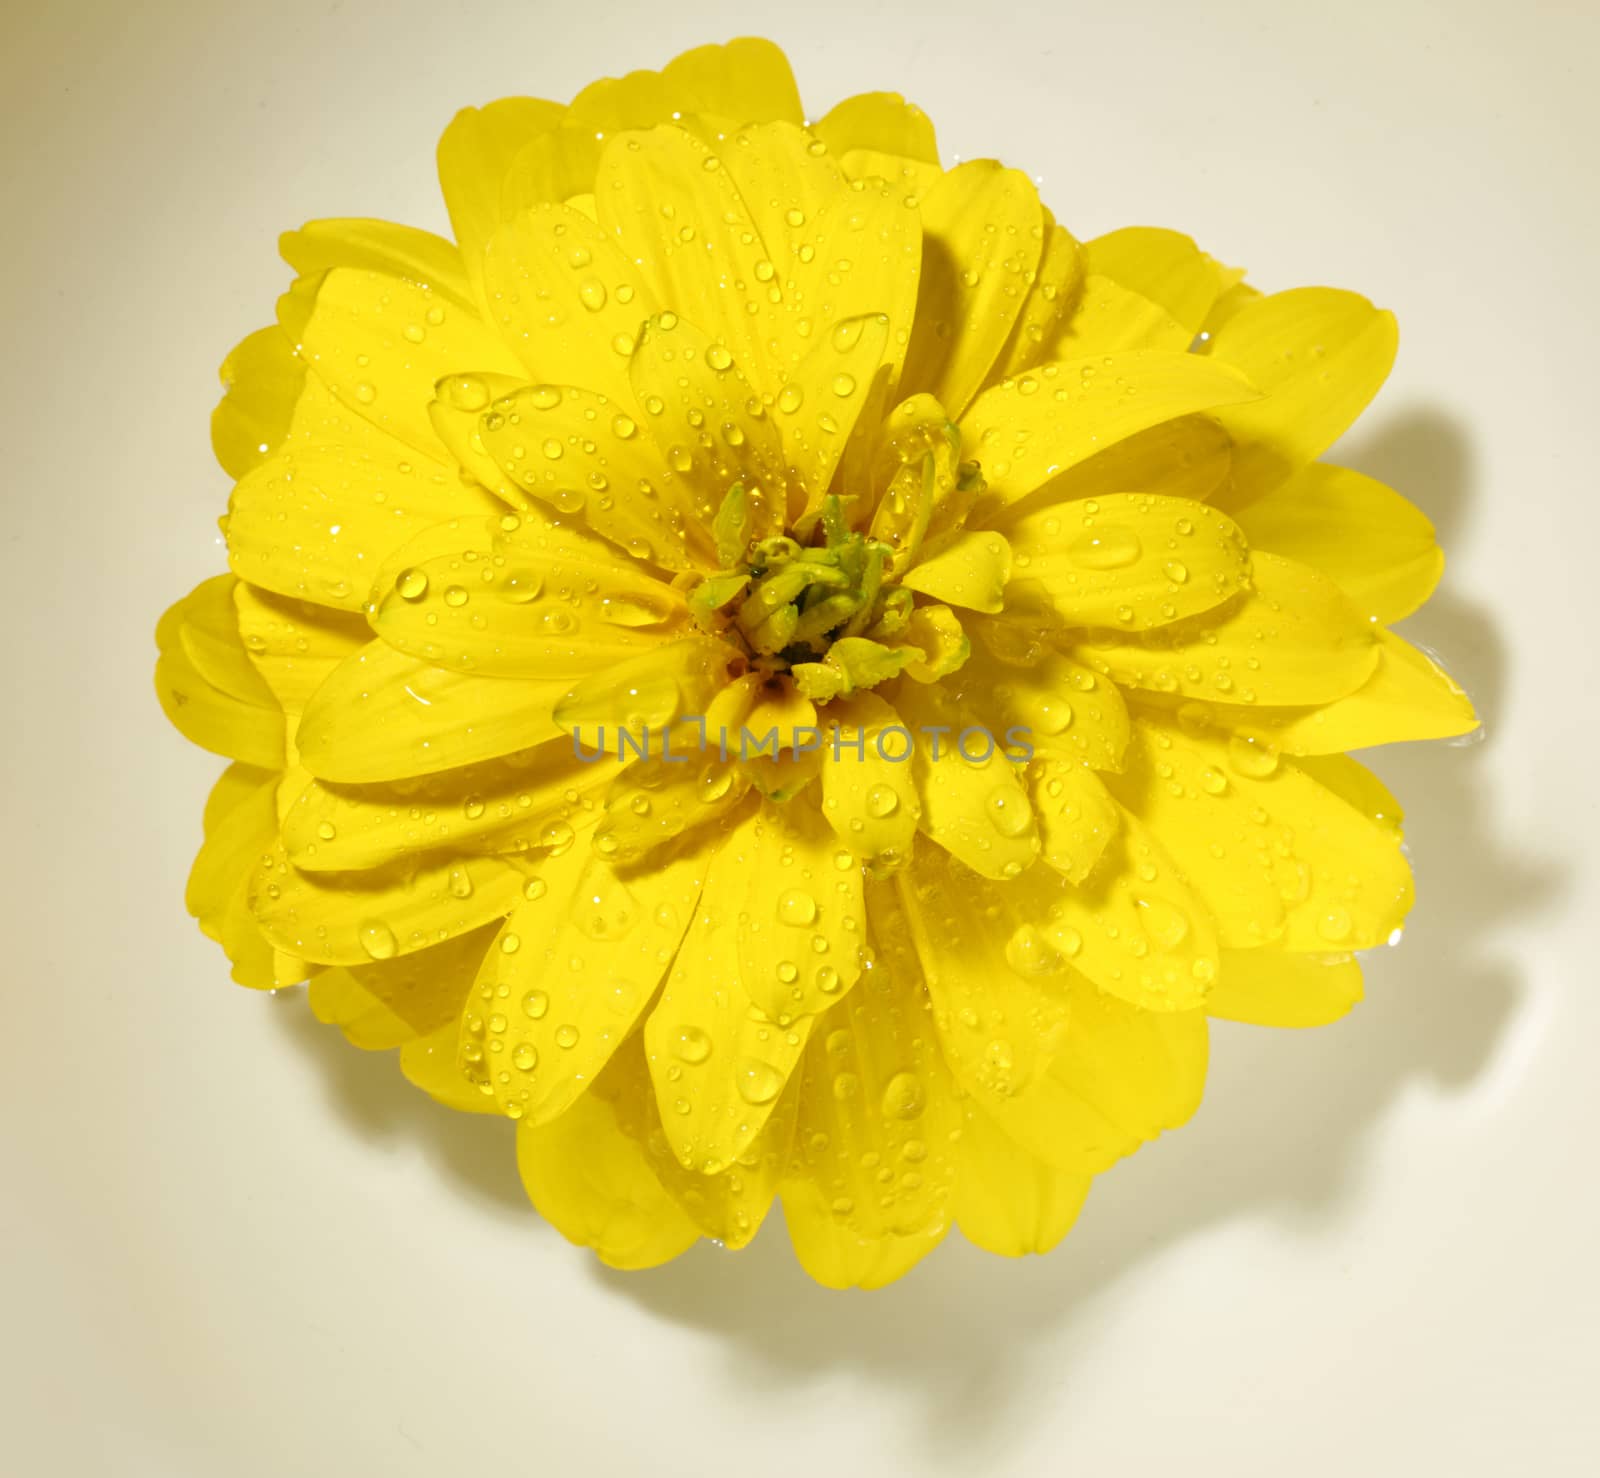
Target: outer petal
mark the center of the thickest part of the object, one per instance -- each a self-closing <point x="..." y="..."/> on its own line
<point x="969" y="570"/>
<point x="516" y="803"/>
<point x="295" y="645"/>
<point x="424" y="990"/>
<point x="1164" y="266"/>
<point x="381" y="715"/>
<point x="718" y="1063"/>
<point x="241" y="822"/>
<point x="1408" y="696"/>
<point x="1108" y="318"/>
<point x="317" y="520"/>
<point x="1294" y="639"/>
<point x="874" y="1159"/>
<point x="381" y="344"/>
<point x="1379" y="548"/>
<point x="1077" y="817"/>
<point x="1274" y="854"/>
<point x="1272" y="988"/>
<point x="1128" y="561"/>
<point x="337" y="999"/>
<point x="430" y="1063"/>
<point x="1031" y="429"/>
<point x="249" y="728"/>
<point x="1045" y="307"/>
<point x="983" y="233"/>
<point x="475" y="154"/>
<point x="571" y="971"/>
<point x="1007" y="1200"/>
<point x="351" y="918"/>
<point x="1319" y="356"/>
<point x="593" y="1183"/>
<point x="747" y="80"/>
<point x="417" y="256"/>
<point x="261" y="380"/>
<point x="566" y="298"/>
<point x="881" y="121"/>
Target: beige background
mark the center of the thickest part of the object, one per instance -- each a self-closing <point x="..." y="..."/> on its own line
<point x="229" y="1245"/>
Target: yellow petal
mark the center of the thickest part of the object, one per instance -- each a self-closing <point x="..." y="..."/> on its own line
<point x="1128" y="561"/>
<point x="828" y="405"/>
<point x="968" y="570"/>
<point x="553" y="168"/>
<point x="983" y="233"/>
<point x="1185" y="458"/>
<point x="241" y="822"/>
<point x="1053" y="707"/>
<point x="381" y="715"/>
<point x="997" y="984"/>
<point x="868" y="794"/>
<point x="1408" y="696"/>
<point x="381" y="344"/>
<point x="1031" y="429"/>
<point x="661" y="797"/>
<point x="1077" y="817"/>
<point x="801" y="926"/>
<point x="883" y="121"/>
<point x="571" y="971"/>
<point x="1122" y="1076"/>
<point x="585" y="456"/>
<point x="973" y="801"/>
<point x="337" y="999"/>
<point x="729" y="1206"/>
<point x="530" y="799"/>
<point x="697" y="412"/>
<point x="1108" y="318"/>
<point x="718" y="1063"/>
<point x="294" y="644"/>
<point x="209" y="634"/>
<point x="261" y="380"/>
<point x="1135" y="926"/>
<point x="526" y="599"/>
<point x="874" y="1161"/>
<point x="1272" y="988"/>
<point x="1275" y="855"/>
<point x="475" y="154"/>
<point x="1379" y="548"/>
<point x="317" y="520"/>
<point x="1044" y="308"/>
<point x="351" y="918"/>
<point x="1318" y="356"/>
<point x="378" y="246"/>
<point x="1164" y="266"/>
<point x="429" y="1063"/>
<point x="565" y="298"/>
<point x="247" y="729"/>
<point x="591" y="1182"/>
<point x="425" y="990"/>
<point x="685" y="221"/>
<point x="1008" y="1201"/>
<point x="747" y="80"/>
<point x="1295" y="638"/>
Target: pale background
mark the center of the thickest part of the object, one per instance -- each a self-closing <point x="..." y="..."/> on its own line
<point x="231" y="1245"/>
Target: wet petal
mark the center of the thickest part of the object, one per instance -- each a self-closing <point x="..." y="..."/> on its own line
<point x="295" y="645"/>
<point x="1128" y="560"/>
<point x="261" y="380"/>
<point x="1031" y="429"/>
<point x="869" y="794"/>
<point x="1269" y="987"/>
<point x="1379" y="548"/>
<point x="1054" y="707"/>
<point x="416" y="256"/>
<point x="1007" y="1200"/>
<point x="881" y="121"/>
<point x="1295" y="638"/>
<point x="968" y="570"/>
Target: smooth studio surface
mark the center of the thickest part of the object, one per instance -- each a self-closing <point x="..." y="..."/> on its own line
<point x="229" y="1243"/>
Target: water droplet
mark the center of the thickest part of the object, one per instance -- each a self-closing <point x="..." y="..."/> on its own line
<point x="567" y="1036"/>
<point x="412" y="584"/>
<point x="1335" y="925"/>
<point x="592" y="294"/>
<point x="882" y="802"/>
<point x="718" y="357"/>
<point x="535" y="1004"/>
<point x="844" y="385"/>
<point x="377" y="938"/>
<point x="797" y="908"/>
<point x="1105" y="549"/>
<point x="790" y="399"/>
<point x="692" y="1045"/>
<point x="1008" y="811"/>
<point x="1255" y="759"/>
<point x="455" y="596"/>
<point x="903" y="1097"/>
<point x="524" y="1057"/>
<point x="1029" y="952"/>
<point x="758" y="1081"/>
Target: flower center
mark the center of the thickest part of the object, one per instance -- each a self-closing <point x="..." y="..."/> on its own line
<point x="822" y="611"/>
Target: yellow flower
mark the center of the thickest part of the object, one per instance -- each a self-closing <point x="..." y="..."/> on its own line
<point x="1012" y="555"/>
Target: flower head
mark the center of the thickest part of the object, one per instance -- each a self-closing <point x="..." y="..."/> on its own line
<point x="774" y="665"/>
